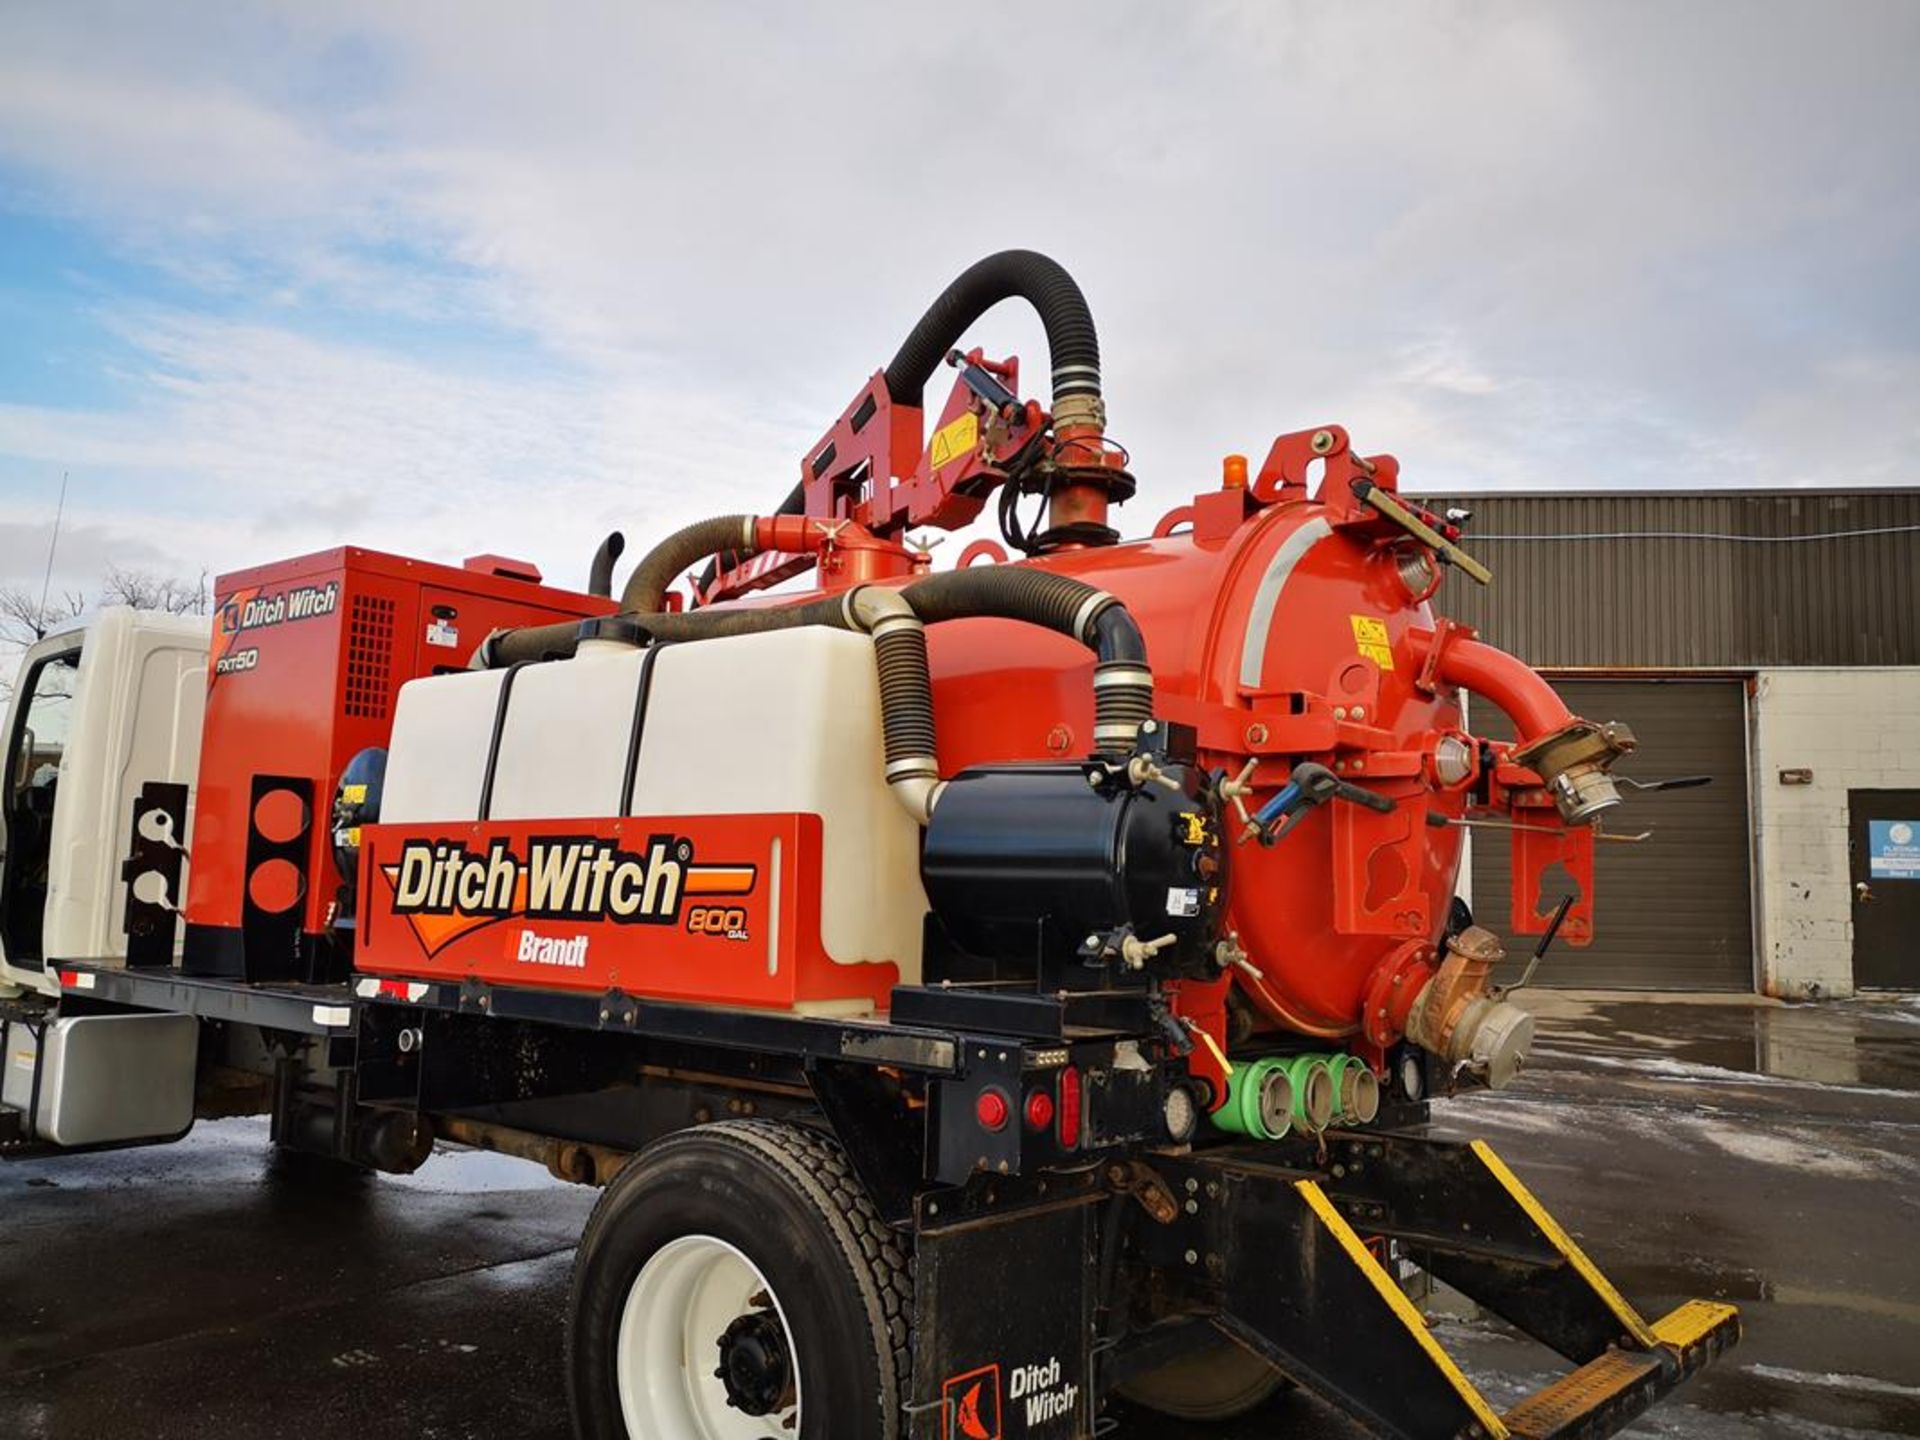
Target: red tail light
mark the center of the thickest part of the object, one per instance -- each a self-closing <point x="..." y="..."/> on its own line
<point x="1069" y="1121"/>
<point x="990" y="1108"/>
<point x="1039" y="1110"/>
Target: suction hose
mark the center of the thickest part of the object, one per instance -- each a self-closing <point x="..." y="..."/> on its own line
<point x="646" y="589"/>
<point x="1072" y="344"/>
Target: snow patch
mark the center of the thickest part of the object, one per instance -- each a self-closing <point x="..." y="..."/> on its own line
<point x="1691" y="1073"/>
<point x="1863" y="1384"/>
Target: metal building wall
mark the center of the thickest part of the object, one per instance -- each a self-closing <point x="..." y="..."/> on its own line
<point x="1641" y="596"/>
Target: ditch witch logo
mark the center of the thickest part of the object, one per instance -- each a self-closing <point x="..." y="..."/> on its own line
<point x="447" y="891"/>
<point x="253" y="609"/>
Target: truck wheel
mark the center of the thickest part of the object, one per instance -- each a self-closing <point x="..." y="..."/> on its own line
<point x="1222" y="1382"/>
<point x="736" y="1283"/>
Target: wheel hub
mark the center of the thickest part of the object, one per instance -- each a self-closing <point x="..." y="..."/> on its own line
<point x="755" y="1365"/>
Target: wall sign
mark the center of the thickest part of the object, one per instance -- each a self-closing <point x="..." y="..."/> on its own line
<point x="1893" y="849"/>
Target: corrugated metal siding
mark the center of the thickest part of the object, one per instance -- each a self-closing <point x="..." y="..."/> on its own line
<point x="1694" y="603"/>
<point x="1672" y="913"/>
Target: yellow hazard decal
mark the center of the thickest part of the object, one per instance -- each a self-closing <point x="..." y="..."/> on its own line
<point x="1370" y="639"/>
<point x="957" y="440"/>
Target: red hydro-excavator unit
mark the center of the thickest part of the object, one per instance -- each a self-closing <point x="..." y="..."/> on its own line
<point x="984" y="993"/>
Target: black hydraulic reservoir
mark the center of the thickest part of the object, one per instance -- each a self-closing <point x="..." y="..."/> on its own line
<point x="1115" y="864"/>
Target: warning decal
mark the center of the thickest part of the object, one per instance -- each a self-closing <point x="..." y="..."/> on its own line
<point x="1370" y="639"/>
<point x="957" y="440"/>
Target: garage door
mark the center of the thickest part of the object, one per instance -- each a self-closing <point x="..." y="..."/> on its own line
<point x="1674" y="913"/>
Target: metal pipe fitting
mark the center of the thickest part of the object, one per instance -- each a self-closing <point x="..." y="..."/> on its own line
<point x="1573" y="762"/>
<point x="1313" y="1096"/>
<point x="1259" y="1101"/>
<point x="1356" y="1090"/>
<point x="1457" y="1018"/>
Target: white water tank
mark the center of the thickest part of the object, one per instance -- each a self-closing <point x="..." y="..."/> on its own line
<point x="786" y="722"/>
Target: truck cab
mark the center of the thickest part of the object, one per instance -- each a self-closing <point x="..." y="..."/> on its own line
<point x="96" y="714"/>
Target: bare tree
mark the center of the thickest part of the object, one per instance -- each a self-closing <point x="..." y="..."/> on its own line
<point x="144" y="590"/>
<point x="25" y="619"/>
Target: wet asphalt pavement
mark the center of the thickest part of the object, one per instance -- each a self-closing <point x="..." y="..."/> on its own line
<point x="1764" y="1154"/>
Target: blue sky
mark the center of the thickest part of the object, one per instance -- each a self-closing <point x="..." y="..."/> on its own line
<point x="443" y="278"/>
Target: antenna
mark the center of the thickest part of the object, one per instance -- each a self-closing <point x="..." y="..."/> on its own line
<point x="53" y="543"/>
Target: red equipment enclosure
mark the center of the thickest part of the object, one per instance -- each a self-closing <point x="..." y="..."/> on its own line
<point x="307" y="658"/>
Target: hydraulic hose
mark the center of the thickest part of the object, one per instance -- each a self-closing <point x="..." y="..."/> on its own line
<point x="1071" y="342"/>
<point x="646" y="589"/>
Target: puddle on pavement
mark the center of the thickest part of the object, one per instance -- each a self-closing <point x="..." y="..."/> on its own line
<point x="1856" y="1044"/>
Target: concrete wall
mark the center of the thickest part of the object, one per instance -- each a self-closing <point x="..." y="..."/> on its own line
<point x="1856" y="729"/>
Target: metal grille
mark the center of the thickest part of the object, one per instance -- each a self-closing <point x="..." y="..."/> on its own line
<point x="369" y="655"/>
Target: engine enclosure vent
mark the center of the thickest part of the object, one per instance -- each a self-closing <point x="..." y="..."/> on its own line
<point x="369" y="657"/>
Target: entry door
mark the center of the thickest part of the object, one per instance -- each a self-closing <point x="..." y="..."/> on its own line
<point x="1883" y="834"/>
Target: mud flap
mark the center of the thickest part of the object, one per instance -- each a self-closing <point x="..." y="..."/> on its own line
<point x="1002" y="1326"/>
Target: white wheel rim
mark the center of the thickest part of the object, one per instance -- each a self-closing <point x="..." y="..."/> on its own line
<point x="681" y="1303"/>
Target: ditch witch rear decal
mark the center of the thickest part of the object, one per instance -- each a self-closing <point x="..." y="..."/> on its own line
<point x="446" y="891"/>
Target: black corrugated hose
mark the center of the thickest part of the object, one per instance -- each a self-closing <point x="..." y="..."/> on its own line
<point x="1072" y="345"/>
<point x="646" y="588"/>
<point x="1123" y="684"/>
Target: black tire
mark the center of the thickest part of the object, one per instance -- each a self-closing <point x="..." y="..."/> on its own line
<point x="1217" y="1384"/>
<point x="786" y="1199"/>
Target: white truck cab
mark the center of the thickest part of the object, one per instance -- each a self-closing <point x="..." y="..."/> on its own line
<point x="96" y="713"/>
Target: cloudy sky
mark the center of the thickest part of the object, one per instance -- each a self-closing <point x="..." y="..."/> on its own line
<point x="442" y="278"/>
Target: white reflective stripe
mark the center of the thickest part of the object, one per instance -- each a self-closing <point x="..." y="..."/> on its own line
<point x="367" y="988"/>
<point x="83" y="981"/>
<point x="1253" y="651"/>
<point x="334" y="1016"/>
<point x="418" y="992"/>
<point x="773" y="908"/>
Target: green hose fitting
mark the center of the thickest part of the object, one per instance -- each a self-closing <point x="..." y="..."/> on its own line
<point x="1259" y="1101"/>
<point x="1356" y="1090"/>
<point x="1313" y="1091"/>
